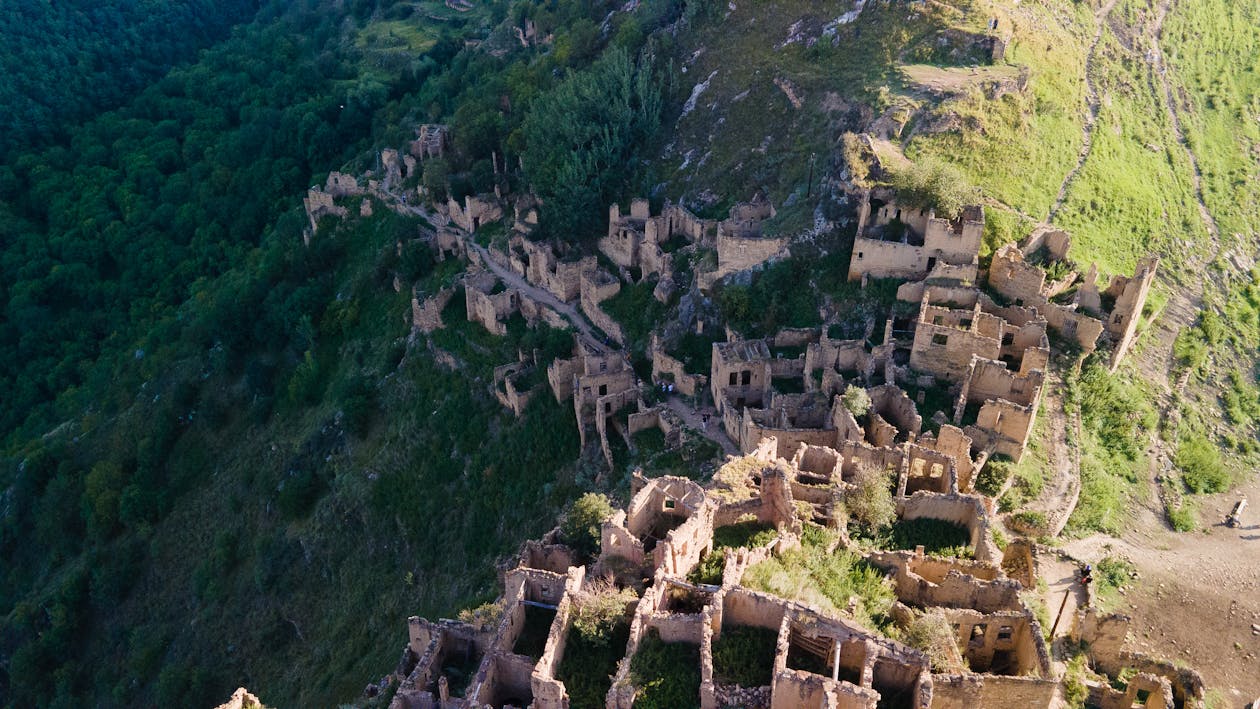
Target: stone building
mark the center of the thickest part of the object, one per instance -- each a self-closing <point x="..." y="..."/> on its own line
<point x="899" y="242"/>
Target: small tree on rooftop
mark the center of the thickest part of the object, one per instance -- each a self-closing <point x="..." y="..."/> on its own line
<point x="856" y="400"/>
<point x="584" y="520"/>
<point x="933" y="184"/>
<point x="870" y="502"/>
<point x="931" y="633"/>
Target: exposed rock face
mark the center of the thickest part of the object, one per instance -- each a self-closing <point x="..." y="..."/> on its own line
<point x="242" y="699"/>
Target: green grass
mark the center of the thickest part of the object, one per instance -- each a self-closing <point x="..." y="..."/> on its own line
<point x="812" y="575"/>
<point x="1110" y="574"/>
<point x="589" y="663"/>
<point x="937" y="536"/>
<point x="1116" y="418"/>
<point x="636" y="310"/>
<point x="1211" y="46"/>
<point x="1199" y="460"/>
<point x="667" y="675"/>
<point x="1137" y="180"/>
<point x="751" y="535"/>
<point x="744" y="655"/>
<point x="1040" y="128"/>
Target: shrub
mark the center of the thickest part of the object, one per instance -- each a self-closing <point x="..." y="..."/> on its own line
<point x="1200" y="464"/>
<point x="931" y="633"/>
<point x="856" y="400"/>
<point x="1184" y="517"/>
<point x="666" y="674"/>
<point x="599" y="610"/>
<point x="744" y="656"/>
<point x="933" y="184"/>
<point x="871" y="504"/>
<point x="584" y="521"/>
<point x="993" y="476"/>
<point x="751" y="534"/>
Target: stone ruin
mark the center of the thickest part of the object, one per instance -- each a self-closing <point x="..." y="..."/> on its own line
<point x="899" y="242"/>
<point x="1072" y="305"/>
<point x="1000" y="656"/>
<point x="321" y="202"/>
<point x="638" y="240"/>
<point x="431" y="141"/>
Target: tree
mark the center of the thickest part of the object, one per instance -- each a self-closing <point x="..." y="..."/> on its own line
<point x="933" y="184"/>
<point x="434" y="177"/>
<point x="582" y="140"/>
<point x="856" y="400"/>
<point x="870" y="502"/>
<point x="583" y="523"/>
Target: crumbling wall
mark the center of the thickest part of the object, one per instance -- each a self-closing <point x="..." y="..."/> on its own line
<point x="945" y="340"/>
<point x="970" y="511"/>
<point x="1007" y="643"/>
<point x="431" y="141"/>
<point x="426" y="316"/>
<point x="1003" y="427"/>
<point x="487" y="308"/>
<point x="477" y="211"/>
<point x="596" y="287"/>
<point x="990" y="379"/>
<point x="1130" y="297"/>
<point x="664" y="366"/>
<point x="739" y="374"/>
<point x="924" y="582"/>
<point x="894" y="406"/>
<point x="925" y="240"/>
<point x="969" y="691"/>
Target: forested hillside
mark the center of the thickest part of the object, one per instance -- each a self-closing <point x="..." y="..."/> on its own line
<point x="226" y="460"/>
<point x="61" y="62"/>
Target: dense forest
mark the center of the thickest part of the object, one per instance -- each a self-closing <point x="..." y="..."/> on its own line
<point x="161" y="320"/>
<point x="94" y="55"/>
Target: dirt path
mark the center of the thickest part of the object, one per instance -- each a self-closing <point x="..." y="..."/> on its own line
<point x="1093" y="104"/>
<point x="694" y="419"/>
<point x="1197" y="595"/>
<point x="1059" y="496"/>
<point x="1062" y="579"/>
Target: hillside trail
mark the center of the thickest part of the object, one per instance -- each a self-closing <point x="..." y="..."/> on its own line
<point x="1093" y="105"/>
<point x="1158" y="360"/>
<point x="1060" y="494"/>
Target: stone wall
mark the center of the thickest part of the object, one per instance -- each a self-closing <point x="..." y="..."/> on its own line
<point x="1130" y="298"/>
<point x="596" y="287"/>
<point x="969" y="511"/>
<point x="739" y="374"/>
<point x="426" y="316"/>
<point x="945" y="340"/>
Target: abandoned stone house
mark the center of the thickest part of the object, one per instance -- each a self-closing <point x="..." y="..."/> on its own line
<point x="1070" y="304"/>
<point x="596" y="286"/>
<point x="476" y="211"/>
<point x="538" y="263"/>
<point x="899" y="242"/>
<point x="431" y="141"/>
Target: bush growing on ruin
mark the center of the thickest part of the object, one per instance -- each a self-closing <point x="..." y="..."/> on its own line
<point x="855" y="160"/>
<point x="933" y="184"/>
<point x="600" y="608"/>
<point x="931" y="633"/>
<point x="870" y="503"/>
<point x="584" y="520"/>
<point x="856" y="400"/>
<point x="486" y="615"/>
